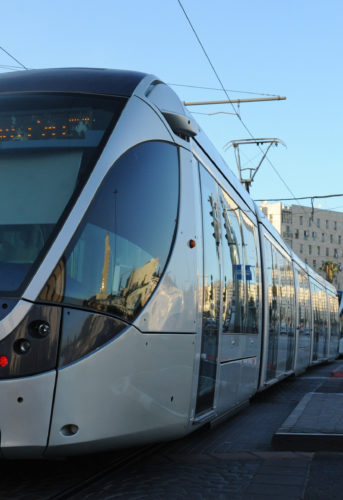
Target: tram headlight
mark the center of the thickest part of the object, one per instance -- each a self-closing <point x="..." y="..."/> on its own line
<point x="22" y="346"/>
<point x="39" y="329"/>
<point x="32" y="346"/>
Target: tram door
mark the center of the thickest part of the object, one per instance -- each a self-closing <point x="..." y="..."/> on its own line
<point x="320" y="322"/>
<point x="211" y="293"/>
<point x="303" y="316"/>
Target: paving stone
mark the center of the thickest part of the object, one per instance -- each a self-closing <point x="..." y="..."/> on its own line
<point x="276" y="490"/>
<point x="279" y="479"/>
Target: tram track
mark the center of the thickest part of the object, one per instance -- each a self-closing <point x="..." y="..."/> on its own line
<point x="114" y="466"/>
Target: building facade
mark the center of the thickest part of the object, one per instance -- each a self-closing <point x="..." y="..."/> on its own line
<point x="315" y="235"/>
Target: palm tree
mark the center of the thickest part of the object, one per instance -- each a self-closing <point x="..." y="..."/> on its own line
<point x="331" y="269"/>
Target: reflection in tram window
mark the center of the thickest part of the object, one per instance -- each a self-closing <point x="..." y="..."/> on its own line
<point x="233" y="266"/>
<point x="334" y="324"/>
<point x="252" y="275"/>
<point x="304" y="313"/>
<point x="287" y="280"/>
<point x="304" y="318"/>
<point x="116" y="258"/>
<point x="281" y="293"/>
<point x="211" y="293"/>
<point x="45" y="159"/>
<point x="272" y="280"/>
<point x="320" y="323"/>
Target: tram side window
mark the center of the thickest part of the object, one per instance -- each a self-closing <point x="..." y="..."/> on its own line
<point x="304" y="318"/>
<point x="287" y="295"/>
<point x="118" y="254"/>
<point x="324" y="317"/>
<point x="273" y="306"/>
<point x="320" y="323"/>
<point x="287" y="286"/>
<point x="316" y="320"/>
<point x="233" y="266"/>
<point x="211" y="291"/>
<point x="252" y="275"/>
<point x="333" y="301"/>
<point x="211" y="227"/>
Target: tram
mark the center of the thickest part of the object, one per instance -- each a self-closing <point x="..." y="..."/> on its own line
<point x="143" y="294"/>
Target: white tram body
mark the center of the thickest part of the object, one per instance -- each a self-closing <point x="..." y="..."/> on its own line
<point x="143" y="293"/>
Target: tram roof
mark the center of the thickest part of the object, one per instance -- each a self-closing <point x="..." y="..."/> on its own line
<point x="85" y="80"/>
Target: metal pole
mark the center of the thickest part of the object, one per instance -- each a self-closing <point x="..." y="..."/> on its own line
<point x="236" y="101"/>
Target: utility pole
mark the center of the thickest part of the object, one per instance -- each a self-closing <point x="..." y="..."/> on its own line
<point x="252" y="171"/>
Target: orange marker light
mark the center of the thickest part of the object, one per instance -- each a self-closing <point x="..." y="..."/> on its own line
<point x="192" y="243"/>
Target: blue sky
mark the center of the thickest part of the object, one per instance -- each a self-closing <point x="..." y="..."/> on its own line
<point x="292" y="48"/>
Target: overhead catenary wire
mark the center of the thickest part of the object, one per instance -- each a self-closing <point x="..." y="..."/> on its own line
<point x="228" y="97"/>
<point x="215" y="113"/>
<point x="14" y="59"/>
<point x="303" y="197"/>
<point x="221" y="90"/>
<point x="306" y="212"/>
<point x="311" y="198"/>
<point x="9" y="66"/>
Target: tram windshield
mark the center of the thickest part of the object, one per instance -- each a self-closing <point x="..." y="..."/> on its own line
<point x="48" y="146"/>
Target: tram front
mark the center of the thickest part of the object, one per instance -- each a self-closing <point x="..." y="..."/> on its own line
<point x="83" y="244"/>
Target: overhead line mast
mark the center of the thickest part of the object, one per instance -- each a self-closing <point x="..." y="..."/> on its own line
<point x="252" y="171"/>
<point x="236" y="101"/>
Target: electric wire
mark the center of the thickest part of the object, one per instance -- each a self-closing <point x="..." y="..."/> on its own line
<point x="215" y="113"/>
<point x="221" y="90"/>
<point x="303" y="197"/>
<point x="228" y="97"/>
<point x="8" y="66"/>
<point x="14" y="59"/>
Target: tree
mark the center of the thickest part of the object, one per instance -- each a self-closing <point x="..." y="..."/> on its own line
<point x="331" y="269"/>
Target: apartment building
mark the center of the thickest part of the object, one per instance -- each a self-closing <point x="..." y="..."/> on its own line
<point x="316" y="235"/>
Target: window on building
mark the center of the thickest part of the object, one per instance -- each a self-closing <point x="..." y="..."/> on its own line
<point x="286" y="216"/>
<point x="310" y="249"/>
<point x="314" y="235"/>
<point x="301" y="248"/>
<point x="306" y="234"/>
<point x="327" y="252"/>
<point x="323" y="237"/>
<point x="301" y="220"/>
<point x="296" y="234"/>
<point x="327" y="224"/>
<point x="318" y="222"/>
<point x="331" y="238"/>
<point x="305" y="261"/>
<point x="339" y="239"/>
<point x="335" y="253"/>
<point x="310" y="221"/>
<point x="314" y="263"/>
<point x="318" y="250"/>
<point x="335" y="225"/>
